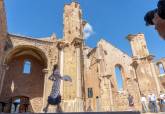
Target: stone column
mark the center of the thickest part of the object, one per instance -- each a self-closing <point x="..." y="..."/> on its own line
<point x="134" y="66"/>
<point x="153" y="73"/>
<point x="105" y="94"/>
<point x="79" y="88"/>
<point x="45" y="71"/>
<point x="2" y="53"/>
<point x="155" y="78"/>
<point x="3" y="72"/>
<point x="61" y="68"/>
<point x="61" y="45"/>
<point x="77" y="42"/>
<point x="110" y="93"/>
<point x="105" y="89"/>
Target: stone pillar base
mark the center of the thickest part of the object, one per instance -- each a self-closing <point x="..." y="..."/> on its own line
<point x="73" y="105"/>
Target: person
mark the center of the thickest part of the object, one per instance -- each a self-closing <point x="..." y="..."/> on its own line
<point x="162" y="101"/>
<point x="55" y="97"/>
<point x="152" y="102"/>
<point x="131" y="101"/>
<point x="144" y="103"/>
<point x="156" y="17"/>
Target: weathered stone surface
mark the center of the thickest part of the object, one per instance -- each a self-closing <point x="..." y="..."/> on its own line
<point x="91" y="69"/>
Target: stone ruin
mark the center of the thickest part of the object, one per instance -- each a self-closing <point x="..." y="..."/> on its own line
<point x="94" y="86"/>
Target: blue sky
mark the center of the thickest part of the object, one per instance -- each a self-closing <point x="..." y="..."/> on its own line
<point x="119" y="78"/>
<point x="112" y="20"/>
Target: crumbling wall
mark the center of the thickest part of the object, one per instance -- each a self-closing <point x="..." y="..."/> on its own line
<point x="92" y="82"/>
<point x="143" y="64"/>
<point x="16" y="83"/>
<point x="110" y="57"/>
<point x="45" y="52"/>
<point x="160" y="71"/>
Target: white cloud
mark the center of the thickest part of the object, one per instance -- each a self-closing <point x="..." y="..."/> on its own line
<point x="88" y="31"/>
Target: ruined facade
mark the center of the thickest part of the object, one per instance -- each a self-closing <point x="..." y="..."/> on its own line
<point x="94" y="83"/>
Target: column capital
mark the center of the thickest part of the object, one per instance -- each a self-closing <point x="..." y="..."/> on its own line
<point x="107" y="76"/>
<point x="130" y="37"/>
<point x="45" y="70"/>
<point x="134" y="64"/>
<point x="77" y="42"/>
<point x="150" y="57"/>
<point x="62" y="44"/>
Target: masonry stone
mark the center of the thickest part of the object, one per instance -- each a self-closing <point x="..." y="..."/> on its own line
<point x="94" y="84"/>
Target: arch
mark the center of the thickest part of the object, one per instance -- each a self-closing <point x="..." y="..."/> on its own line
<point x="17" y="83"/>
<point x="28" y="50"/>
<point x="119" y="75"/>
<point x="161" y="68"/>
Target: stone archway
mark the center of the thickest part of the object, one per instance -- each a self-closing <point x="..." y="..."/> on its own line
<point x="17" y="82"/>
<point x="119" y="95"/>
<point x="161" y="69"/>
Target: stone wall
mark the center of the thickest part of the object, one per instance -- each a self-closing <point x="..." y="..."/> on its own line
<point x="46" y="52"/>
<point x="143" y="64"/>
<point x="159" y="71"/>
<point x="16" y="83"/>
<point x="110" y="57"/>
<point x="3" y="35"/>
<point x="88" y="67"/>
<point x="72" y="21"/>
<point x="70" y="69"/>
<point x="92" y="81"/>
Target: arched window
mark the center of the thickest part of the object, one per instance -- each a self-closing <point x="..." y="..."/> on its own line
<point x="27" y="67"/>
<point x="161" y="69"/>
<point x="119" y="78"/>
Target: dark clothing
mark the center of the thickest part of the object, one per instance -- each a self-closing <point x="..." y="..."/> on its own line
<point x="56" y="78"/>
<point x="54" y="101"/>
<point x="153" y="106"/>
<point x="130" y="100"/>
<point x="160" y="10"/>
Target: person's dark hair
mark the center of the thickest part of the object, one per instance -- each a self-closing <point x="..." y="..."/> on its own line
<point x="149" y="17"/>
<point x="55" y="66"/>
<point x="161" y="9"/>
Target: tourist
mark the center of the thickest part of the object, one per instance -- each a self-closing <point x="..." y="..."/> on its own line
<point x="55" y="97"/>
<point x="156" y="17"/>
<point x="144" y="103"/>
<point x="131" y="101"/>
<point x="152" y="102"/>
<point x="162" y="101"/>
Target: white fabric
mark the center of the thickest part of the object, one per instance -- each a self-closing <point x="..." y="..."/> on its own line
<point x="143" y="99"/>
<point x="162" y="96"/>
<point x="152" y="97"/>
